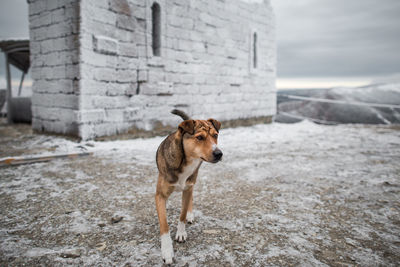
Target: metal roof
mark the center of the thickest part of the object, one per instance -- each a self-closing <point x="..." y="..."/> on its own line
<point x="18" y="52"/>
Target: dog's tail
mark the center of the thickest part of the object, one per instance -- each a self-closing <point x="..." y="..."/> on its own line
<point x="181" y="114"/>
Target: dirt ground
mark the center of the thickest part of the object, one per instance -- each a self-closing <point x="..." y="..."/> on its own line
<point x="284" y="195"/>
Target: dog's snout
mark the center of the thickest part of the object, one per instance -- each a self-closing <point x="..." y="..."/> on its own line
<point x="217" y="154"/>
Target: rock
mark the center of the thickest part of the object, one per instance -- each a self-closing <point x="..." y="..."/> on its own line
<point x="116" y="219"/>
<point x="71" y="253"/>
<point x="211" y="231"/>
<point x="101" y="246"/>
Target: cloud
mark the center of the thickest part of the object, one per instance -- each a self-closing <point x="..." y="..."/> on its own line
<point x="338" y="38"/>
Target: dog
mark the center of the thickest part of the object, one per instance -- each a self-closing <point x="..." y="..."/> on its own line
<point x="179" y="158"/>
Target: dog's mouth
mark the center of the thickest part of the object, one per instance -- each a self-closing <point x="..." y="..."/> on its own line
<point x="216" y="160"/>
<point x="211" y="161"/>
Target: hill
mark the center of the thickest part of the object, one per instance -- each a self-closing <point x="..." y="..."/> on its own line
<point x="351" y="111"/>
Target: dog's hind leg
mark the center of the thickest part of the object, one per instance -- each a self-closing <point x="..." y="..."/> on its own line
<point x="181" y="234"/>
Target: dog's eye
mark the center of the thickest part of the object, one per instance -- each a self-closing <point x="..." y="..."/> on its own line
<point x="215" y="136"/>
<point x="200" y="137"/>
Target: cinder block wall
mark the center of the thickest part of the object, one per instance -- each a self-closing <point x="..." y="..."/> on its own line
<point x="54" y="54"/>
<point x="205" y="67"/>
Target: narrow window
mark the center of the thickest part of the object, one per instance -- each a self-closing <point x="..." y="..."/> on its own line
<point x="156" y="29"/>
<point x="255" y="50"/>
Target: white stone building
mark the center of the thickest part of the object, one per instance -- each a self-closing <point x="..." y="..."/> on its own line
<point x="101" y="67"/>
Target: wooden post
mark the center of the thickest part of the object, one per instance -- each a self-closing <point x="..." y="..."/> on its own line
<point x="4" y="162"/>
<point x="21" y="83"/>
<point x="9" y="90"/>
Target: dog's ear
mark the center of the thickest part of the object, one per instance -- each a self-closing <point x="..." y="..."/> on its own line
<point x="215" y="123"/>
<point x="187" y="126"/>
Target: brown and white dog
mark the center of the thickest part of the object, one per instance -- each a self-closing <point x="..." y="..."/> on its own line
<point x="179" y="158"/>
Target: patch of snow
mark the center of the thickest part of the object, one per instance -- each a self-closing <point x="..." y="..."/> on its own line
<point x="79" y="223"/>
<point x="39" y="252"/>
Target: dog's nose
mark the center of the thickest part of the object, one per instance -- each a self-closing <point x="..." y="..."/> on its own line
<point x="217" y="154"/>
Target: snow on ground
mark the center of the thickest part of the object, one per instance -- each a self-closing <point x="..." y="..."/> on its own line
<point x="284" y="195"/>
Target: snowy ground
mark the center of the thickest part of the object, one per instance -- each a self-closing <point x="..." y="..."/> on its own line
<point x="284" y="195"/>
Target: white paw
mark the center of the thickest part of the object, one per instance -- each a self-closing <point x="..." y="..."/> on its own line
<point x="167" y="251"/>
<point x="190" y="217"/>
<point x="181" y="234"/>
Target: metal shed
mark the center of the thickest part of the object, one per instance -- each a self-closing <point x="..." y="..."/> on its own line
<point x="17" y="54"/>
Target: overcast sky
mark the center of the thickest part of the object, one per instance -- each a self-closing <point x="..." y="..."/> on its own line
<point x="13" y="24"/>
<point x="318" y="39"/>
<point x="13" y="18"/>
<point x="338" y="38"/>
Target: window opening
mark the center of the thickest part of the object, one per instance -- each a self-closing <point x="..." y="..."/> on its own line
<point x="156" y="29"/>
<point x="255" y="50"/>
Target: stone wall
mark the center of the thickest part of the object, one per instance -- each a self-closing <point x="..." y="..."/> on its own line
<point x="205" y="68"/>
<point x="54" y="52"/>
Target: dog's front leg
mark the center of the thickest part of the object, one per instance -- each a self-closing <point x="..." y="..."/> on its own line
<point x="190" y="214"/>
<point x="167" y="250"/>
<point x="181" y="234"/>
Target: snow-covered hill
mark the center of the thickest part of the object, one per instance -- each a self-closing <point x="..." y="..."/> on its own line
<point x="342" y="113"/>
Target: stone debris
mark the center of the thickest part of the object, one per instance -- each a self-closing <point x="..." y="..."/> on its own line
<point x="116" y="219"/>
<point x="101" y="246"/>
<point x="211" y="231"/>
<point x="71" y="253"/>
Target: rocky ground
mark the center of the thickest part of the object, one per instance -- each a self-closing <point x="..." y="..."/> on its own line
<point x="284" y="195"/>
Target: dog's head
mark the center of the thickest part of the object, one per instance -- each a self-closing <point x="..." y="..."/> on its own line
<point x="200" y="139"/>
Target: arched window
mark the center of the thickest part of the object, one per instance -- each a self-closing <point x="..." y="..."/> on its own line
<point x="156" y="29"/>
<point x="255" y="50"/>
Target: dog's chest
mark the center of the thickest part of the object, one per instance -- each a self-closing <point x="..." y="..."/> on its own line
<point x="188" y="170"/>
